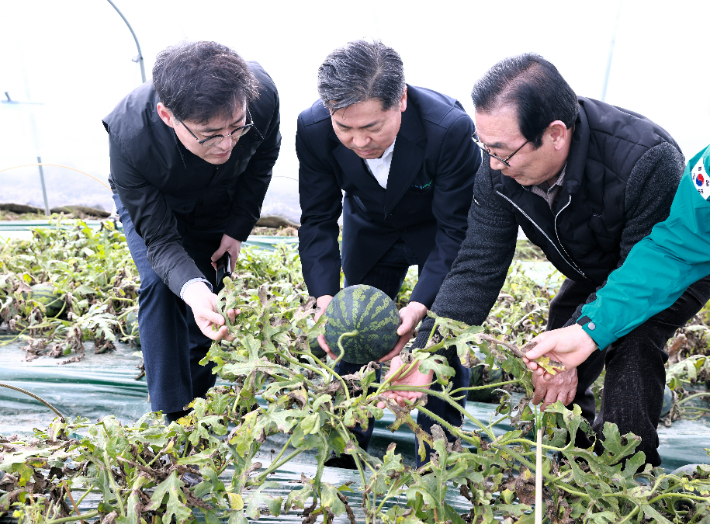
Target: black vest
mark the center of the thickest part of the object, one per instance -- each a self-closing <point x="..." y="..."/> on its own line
<point x="581" y="234"/>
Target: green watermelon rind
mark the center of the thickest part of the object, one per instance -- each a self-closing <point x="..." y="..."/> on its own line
<point x="132" y="326"/>
<point x="371" y="314"/>
<point x="46" y="295"/>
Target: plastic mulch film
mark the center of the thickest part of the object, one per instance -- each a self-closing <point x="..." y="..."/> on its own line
<point x="101" y="385"/>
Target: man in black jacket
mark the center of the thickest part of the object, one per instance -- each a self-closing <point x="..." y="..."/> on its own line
<point x="585" y="181"/>
<point x="404" y="158"/>
<point x="191" y="159"/>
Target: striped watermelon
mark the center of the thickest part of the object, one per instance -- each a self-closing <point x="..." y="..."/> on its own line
<point x="132" y="326"/>
<point x="46" y="295"/>
<point x="370" y="315"/>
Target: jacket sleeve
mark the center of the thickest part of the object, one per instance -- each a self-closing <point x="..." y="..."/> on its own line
<point x="453" y="187"/>
<point x="253" y="183"/>
<point x="153" y="219"/>
<point x="477" y="275"/>
<point x="649" y="193"/>
<point x="658" y="269"/>
<point x="321" y="205"/>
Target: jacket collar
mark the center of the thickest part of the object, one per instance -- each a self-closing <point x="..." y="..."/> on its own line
<point x="577" y="157"/>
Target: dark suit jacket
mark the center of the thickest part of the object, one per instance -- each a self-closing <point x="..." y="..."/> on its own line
<point x="161" y="183"/>
<point x="429" y="192"/>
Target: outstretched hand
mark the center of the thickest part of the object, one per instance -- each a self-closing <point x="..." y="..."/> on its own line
<point x="410" y="316"/>
<point x="571" y="346"/>
<point x="414" y="378"/>
<point x="204" y="307"/>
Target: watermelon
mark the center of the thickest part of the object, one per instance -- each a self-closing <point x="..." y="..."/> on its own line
<point x="667" y="401"/>
<point x="372" y="318"/>
<point x="132" y="325"/>
<point x="46" y="295"/>
<point x="482" y="375"/>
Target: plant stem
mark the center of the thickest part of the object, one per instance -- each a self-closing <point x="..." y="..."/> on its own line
<point x="486" y="429"/>
<point x="453" y="430"/>
<point x="88" y="515"/>
<point x="489" y="386"/>
<point x="696" y="395"/>
<point x="410" y="367"/>
<point x="114" y="486"/>
<point x="276" y="465"/>
<point x="630" y="515"/>
<point x="15" y="388"/>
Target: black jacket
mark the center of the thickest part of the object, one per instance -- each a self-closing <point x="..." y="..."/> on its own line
<point x="428" y="193"/>
<point x="622" y="173"/>
<point x="161" y="183"/>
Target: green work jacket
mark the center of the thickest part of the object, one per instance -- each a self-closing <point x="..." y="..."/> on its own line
<point x="660" y="267"/>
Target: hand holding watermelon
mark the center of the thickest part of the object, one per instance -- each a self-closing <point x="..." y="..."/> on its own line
<point x="411" y="315"/>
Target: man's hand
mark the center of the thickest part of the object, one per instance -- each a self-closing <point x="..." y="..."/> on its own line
<point x="571" y="346"/>
<point x="227" y="244"/>
<point x="562" y="387"/>
<point x="204" y="307"/>
<point x="411" y="315"/>
<point x="414" y="378"/>
<point x="322" y="303"/>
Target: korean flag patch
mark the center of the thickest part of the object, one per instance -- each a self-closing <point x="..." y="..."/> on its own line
<point x="701" y="181"/>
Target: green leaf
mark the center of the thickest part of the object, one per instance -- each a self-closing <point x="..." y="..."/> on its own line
<point x="175" y="504"/>
<point x="438" y="365"/>
<point x="258" y="498"/>
<point x="330" y="499"/>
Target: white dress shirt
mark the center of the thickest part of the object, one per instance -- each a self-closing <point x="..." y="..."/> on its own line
<point x="380" y="167"/>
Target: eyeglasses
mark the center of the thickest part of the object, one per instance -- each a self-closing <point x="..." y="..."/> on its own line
<point x="216" y="139"/>
<point x="485" y="148"/>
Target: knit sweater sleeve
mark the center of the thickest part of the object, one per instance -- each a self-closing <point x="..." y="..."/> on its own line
<point x="649" y="193"/>
<point x="471" y="288"/>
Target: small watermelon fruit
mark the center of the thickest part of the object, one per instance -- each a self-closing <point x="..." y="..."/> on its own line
<point x="132" y="326"/>
<point x="667" y="401"/>
<point x="482" y="375"/>
<point x="370" y="316"/>
<point x="46" y="295"/>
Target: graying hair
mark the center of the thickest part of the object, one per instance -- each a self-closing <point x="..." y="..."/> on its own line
<point x="361" y="71"/>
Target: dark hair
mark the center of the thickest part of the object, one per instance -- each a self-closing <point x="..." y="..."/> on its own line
<point x="361" y="71"/>
<point x="199" y="81"/>
<point x="534" y="87"/>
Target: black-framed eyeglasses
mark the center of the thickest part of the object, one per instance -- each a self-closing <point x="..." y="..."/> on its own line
<point x="216" y="139"/>
<point x="485" y="148"/>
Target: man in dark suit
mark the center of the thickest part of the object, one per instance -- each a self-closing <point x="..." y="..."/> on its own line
<point x="405" y="160"/>
<point x="191" y="158"/>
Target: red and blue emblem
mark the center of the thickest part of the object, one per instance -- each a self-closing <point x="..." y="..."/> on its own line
<point x="701" y="180"/>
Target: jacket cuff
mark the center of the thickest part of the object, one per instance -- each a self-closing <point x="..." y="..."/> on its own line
<point x="423" y="296"/>
<point x="602" y="337"/>
<point x="238" y="229"/>
<point x="192" y="281"/>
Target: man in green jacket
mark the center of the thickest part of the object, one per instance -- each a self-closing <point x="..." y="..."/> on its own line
<point x="657" y="271"/>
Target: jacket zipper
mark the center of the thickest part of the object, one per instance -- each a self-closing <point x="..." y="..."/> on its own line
<point x="560" y="242"/>
<point x="570" y="264"/>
